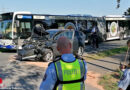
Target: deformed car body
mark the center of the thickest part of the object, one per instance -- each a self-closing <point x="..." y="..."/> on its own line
<point x="44" y="48"/>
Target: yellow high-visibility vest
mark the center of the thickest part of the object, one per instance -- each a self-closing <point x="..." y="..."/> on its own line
<point x="70" y="75"/>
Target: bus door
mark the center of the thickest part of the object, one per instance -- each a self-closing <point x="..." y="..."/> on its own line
<point x="25" y="29"/>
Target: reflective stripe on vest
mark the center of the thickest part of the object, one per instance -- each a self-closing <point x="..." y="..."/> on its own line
<point x="67" y="72"/>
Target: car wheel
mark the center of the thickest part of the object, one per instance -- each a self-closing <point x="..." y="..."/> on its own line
<point x="80" y="51"/>
<point x="48" y="56"/>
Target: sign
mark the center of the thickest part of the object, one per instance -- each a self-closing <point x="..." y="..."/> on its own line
<point x="38" y="17"/>
<point x="24" y="17"/>
<point x="113" y="29"/>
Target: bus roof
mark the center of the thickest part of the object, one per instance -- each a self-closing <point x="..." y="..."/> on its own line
<point x="67" y="17"/>
<point x="59" y="17"/>
<point x="117" y="17"/>
<point x="19" y="12"/>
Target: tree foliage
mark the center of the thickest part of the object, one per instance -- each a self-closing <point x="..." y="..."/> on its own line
<point x="118" y="3"/>
<point x="127" y="11"/>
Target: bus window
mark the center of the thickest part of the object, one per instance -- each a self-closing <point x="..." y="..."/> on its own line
<point x="25" y="30"/>
<point x="58" y="36"/>
<point x="5" y="29"/>
<point x="108" y="26"/>
<point x="89" y="25"/>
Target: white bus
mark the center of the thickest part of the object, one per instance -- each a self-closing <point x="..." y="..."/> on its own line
<point x="117" y="27"/>
<point x="8" y="28"/>
<point x="19" y="25"/>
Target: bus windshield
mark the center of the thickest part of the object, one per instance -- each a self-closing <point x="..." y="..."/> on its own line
<point x="5" y="29"/>
<point x="24" y="30"/>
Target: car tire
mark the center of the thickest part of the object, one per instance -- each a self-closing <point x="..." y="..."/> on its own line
<point x="80" y="51"/>
<point x="49" y="56"/>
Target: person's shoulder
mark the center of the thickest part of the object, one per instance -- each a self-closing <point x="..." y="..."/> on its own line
<point x="80" y="58"/>
<point x="51" y="63"/>
<point x="55" y="60"/>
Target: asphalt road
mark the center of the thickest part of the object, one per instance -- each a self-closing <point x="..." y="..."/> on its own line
<point x="4" y="57"/>
<point x="16" y="73"/>
<point x="105" y="46"/>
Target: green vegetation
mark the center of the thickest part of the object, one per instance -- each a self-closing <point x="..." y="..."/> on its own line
<point x="110" y="81"/>
<point x="107" y="53"/>
<point x="112" y="52"/>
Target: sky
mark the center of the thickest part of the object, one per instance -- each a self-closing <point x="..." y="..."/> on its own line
<point x="65" y="7"/>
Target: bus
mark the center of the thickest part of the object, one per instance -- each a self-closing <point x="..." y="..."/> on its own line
<point x="76" y="22"/>
<point x="8" y="28"/>
<point x="15" y="27"/>
<point x="117" y="27"/>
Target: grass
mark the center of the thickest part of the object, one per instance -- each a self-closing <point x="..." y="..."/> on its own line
<point x="112" y="51"/>
<point x="107" y="53"/>
<point x="110" y="81"/>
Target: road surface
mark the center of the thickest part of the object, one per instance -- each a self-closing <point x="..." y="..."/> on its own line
<point x="29" y="77"/>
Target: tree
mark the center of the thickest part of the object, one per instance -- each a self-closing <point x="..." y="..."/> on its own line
<point x="118" y="4"/>
<point x="127" y="12"/>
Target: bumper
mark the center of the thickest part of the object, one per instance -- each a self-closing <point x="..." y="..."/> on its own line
<point x="26" y="54"/>
<point x="10" y="47"/>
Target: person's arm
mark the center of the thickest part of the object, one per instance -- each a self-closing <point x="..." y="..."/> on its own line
<point x="49" y="79"/>
<point x="124" y="82"/>
<point x="85" y="63"/>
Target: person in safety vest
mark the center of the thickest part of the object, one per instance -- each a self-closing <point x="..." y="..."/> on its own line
<point x="66" y="72"/>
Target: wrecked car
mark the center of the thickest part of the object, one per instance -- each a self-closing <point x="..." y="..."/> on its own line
<point x="42" y="45"/>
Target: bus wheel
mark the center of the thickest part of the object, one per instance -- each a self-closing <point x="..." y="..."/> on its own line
<point x="48" y="55"/>
<point x="121" y="36"/>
